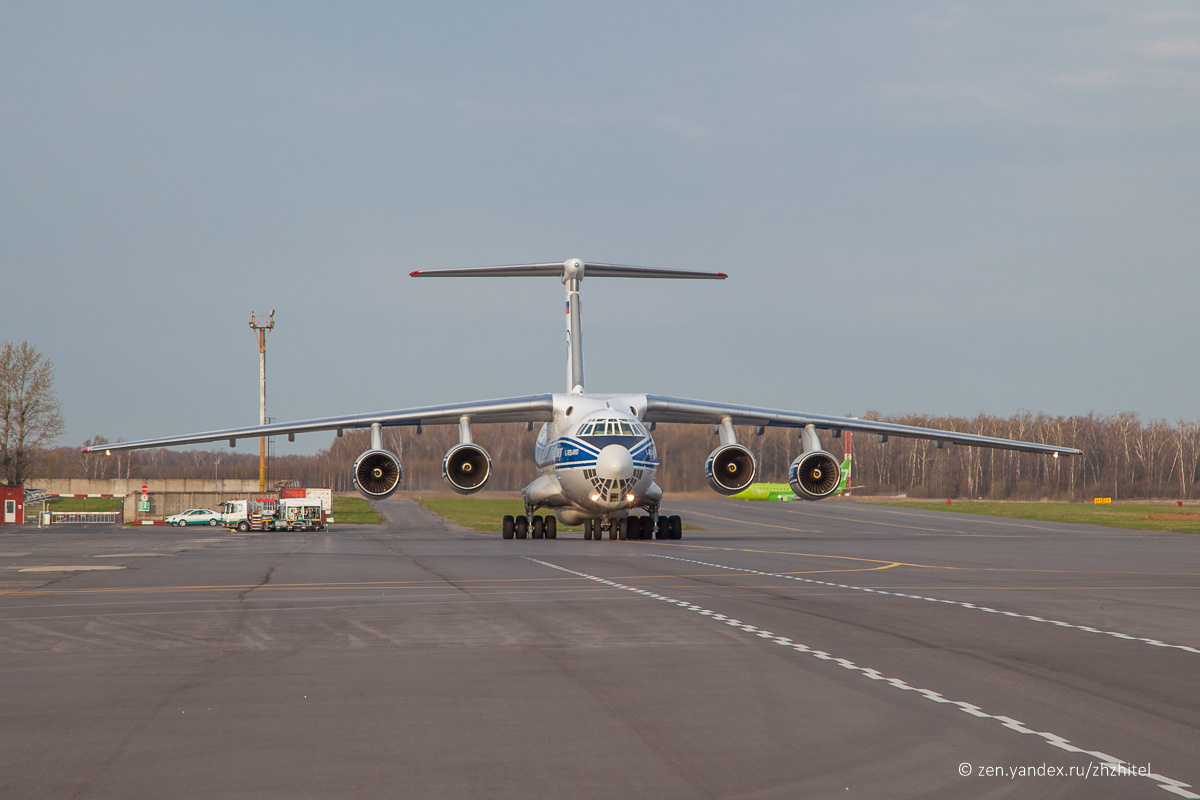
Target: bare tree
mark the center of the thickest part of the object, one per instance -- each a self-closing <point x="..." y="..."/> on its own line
<point x="30" y="413"/>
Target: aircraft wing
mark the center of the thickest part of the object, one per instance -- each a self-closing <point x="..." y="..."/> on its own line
<point x="674" y="409"/>
<point x="534" y="408"/>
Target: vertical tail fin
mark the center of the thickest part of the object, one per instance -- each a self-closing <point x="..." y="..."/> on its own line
<point x="571" y="272"/>
<point x="845" y="485"/>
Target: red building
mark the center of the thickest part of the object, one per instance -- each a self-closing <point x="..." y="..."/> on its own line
<point x="12" y="505"/>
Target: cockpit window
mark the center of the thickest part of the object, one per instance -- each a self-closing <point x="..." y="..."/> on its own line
<point x="613" y="427"/>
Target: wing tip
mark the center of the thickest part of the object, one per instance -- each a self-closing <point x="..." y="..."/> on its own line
<point x="415" y="273"/>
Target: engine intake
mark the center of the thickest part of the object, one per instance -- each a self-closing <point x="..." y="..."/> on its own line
<point x="814" y="475"/>
<point x="377" y="474"/>
<point x="466" y="468"/>
<point x="730" y="468"/>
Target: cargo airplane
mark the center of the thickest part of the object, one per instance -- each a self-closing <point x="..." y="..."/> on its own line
<point x="595" y="456"/>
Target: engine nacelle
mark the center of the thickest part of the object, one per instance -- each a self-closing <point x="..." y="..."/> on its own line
<point x="466" y="468"/>
<point x="730" y="468"/>
<point x="814" y="475"/>
<point x="377" y="474"/>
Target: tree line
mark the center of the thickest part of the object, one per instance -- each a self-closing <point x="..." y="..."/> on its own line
<point x="1124" y="457"/>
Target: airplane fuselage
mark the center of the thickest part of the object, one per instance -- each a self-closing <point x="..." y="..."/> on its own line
<point x="595" y="459"/>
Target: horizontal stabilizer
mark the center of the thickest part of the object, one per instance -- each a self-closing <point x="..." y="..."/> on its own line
<point x="571" y="268"/>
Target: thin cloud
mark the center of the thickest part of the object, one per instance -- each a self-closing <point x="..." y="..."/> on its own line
<point x="682" y="127"/>
<point x="1167" y="49"/>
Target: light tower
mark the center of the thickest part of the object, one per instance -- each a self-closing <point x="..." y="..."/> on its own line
<point x="262" y="324"/>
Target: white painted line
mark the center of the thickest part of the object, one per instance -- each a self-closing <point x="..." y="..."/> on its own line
<point x="85" y="568"/>
<point x="1054" y="740"/>
<point x="131" y="555"/>
<point x="971" y="606"/>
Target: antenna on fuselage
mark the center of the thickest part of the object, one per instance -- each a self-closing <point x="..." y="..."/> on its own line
<point x="571" y="273"/>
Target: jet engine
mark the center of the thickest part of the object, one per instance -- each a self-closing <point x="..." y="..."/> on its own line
<point x="377" y="474"/>
<point x="730" y="468"/>
<point x="466" y="468"/>
<point x="814" y="475"/>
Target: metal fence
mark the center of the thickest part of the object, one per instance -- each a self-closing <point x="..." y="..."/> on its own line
<point x="71" y="517"/>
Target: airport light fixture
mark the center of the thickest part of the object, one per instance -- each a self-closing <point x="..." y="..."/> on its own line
<point x="262" y="325"/>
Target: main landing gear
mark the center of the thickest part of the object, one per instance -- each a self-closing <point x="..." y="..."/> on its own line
<point x="527" y="525"/>
<point x="648" y="527"/>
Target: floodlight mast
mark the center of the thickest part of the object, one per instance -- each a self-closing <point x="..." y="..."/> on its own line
<point x="262" y="325"/>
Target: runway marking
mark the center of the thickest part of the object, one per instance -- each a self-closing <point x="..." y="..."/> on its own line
<point x="748" y="522"/>
<point x="886" y="564"/>
<point x="1052" y="739"/>
<point x="1008" y="521"/>
<point x="890" y="564"/>
<point x="1015" y="522"/>
<point x="960" y="604"/>
<point x="131" y="555"/>
<point x="272" y="587"/>
<point x="84" y="568"/>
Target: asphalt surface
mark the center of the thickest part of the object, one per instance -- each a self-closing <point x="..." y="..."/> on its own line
<point x="784" y="650"/>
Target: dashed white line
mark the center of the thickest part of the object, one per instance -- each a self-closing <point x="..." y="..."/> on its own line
<point x="1169" y="784"/>
<point x="971" y="606"/>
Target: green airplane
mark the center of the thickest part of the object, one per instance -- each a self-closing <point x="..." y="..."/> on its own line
<point x="783" y="491"/>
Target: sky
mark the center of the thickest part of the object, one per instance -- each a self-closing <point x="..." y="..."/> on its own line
<point x="935" y="207"/>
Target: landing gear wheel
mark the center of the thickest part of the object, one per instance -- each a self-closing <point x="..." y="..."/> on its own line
<point x="663" y="529"/>
<point x="522" y="527"/>
<point x="647" y="527"/>
<point x="551" y="527"/>
<point x="538" y="529"/>
<point x="620" y="529"/>
<point x="587" y="530"/>
<point x="507" y="526"/>
<point x="676" y="527"/>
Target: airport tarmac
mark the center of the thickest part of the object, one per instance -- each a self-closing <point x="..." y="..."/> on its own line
<point x="783" y="650"/>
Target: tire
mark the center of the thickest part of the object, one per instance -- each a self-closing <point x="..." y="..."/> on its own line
<point x="619" y="529"/>
<point x="243" y="526"/>
<point x="587" y="530"/>
<point x="676" y="527"/>
<point x="551" y="527"/>
<point x="522" y="526"/>
<point x="538" y="529"/>
<point x="212" y="522"/>
<point x="507" y="526"/>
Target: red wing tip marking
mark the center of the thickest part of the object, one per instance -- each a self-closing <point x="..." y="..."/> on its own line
<point x="722" y="274"/>
<point x="414" y="273"/>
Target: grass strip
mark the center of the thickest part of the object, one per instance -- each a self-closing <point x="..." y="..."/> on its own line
<point x="1138" y="516"/>
<point x="354" y="510"/>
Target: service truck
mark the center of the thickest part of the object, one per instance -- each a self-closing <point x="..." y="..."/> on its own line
<point x="301" y="514"/>
<point x="251" y="514"/>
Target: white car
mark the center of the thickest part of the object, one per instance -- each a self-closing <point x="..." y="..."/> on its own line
<point x="194" y="516"/>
